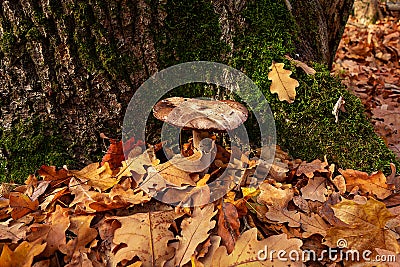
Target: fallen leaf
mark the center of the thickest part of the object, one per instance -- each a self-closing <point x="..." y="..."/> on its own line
<point x="99" y="177"/>
<point x="315" y="189"/>
<point x="272" y="196"/>
<point x="313" y="224"/>
<point x="282" y="84"/>
<point x="284" y="216"/>
<point x="251" y="252"/>
<point x="50" y="173"/>
<point x="53" y="233"/>
<point x="22" y="256"/>
<point x="308" y="169"/>
<point x="228" y="225"/>
<point x="146" y="236"/>
<point x="194" y="231"/>
<point x="21" y="205"/>
<point x="366" y="226"/>
<point x="307" y="69"/>
<point x="373" y="184"/>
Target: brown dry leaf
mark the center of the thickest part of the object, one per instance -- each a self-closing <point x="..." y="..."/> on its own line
<point x="80" y="226"/>
<point x="194" y="231"/>
<point x="340" y="183"/>
<point x="280" y="215"/>
<point x="21" y="205"/>
<point x="315" y="189"/>
<point x="366" y="226"/>
<point x="313" y="224"/>
<point x="11" y="231"/>
<point x="50" y="173"/>
<point x="373" y="184"/>
<point x="282" y="84"/>
<point x="308" y="169"/>
<point x="146" y="236"/>
<point x="100" y="177"/>
<point x="272" y="196"/>
<point x="307" y="69"/>
<point x="52" y="233"/>
<point x="228" y="225"/>
<point x="22" y="256"/>
<point x="136" y="162"/>
<point x="174" y="175"/>
<point x="247" y="251"/>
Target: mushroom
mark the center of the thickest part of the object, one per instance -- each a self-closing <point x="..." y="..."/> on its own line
<point x="201" y="116"/>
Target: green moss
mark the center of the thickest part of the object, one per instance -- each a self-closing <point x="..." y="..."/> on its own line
<point x="8" y="41"/>
<point x="27" y="146"/>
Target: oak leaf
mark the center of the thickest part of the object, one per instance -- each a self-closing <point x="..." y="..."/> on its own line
<point x="282" y="84"/>
<point x="146" y="236"/>
<point x="52" y="233"/>
<point x="308" y="169"/>
<point x="280" y="215"/>
<point x="313" y="224"/>
<point x="11" y="231"/>
<point x="98" y="177"/>
<point x="272" y="196"/>
<point x="373" y="184"/>
<point x="22" y="256"/>
<point x="366" y="226"/>
<point x="194" y="231"/>
<point x="21" y="205"/>
<point x="50" y="173"/>
<point x="251" y="252"/>
<point x="315" y="189"/>
<point x="174" y="175"/>
<point x="228" y="225"/>
<point x="84" y="234"/>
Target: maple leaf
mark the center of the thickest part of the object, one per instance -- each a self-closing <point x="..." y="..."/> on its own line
<point x="247" y="251"/>
<point x="315" y="189"/>
<point x="52" y="233"/>
<point x="22" y="256"/>
<point x="374" y="184"/>
<point x="366" y="226"/>
<point x="50" y="173"/>
<point x="282" y="84"/>
<point x="146" y="236"/>
<point x="194" y="231"/>
<point x="21" y="205"/>
<point x="228" y="225"/>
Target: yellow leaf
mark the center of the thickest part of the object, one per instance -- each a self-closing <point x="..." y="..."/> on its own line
<point x="366" y="226"/>
<point x="251" y="252"/>
<point x="282" y="84"/>
<point x="22" y="255"/>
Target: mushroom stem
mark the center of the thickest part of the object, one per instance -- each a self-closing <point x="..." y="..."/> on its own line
<point x="198" y="136"/>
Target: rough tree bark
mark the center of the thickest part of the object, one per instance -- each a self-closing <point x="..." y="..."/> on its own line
<point x="68" y="68"/>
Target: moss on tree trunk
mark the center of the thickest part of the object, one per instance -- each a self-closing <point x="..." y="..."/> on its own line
<point x="73" y="66"/>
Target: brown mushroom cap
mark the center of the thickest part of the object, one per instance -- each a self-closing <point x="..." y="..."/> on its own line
<point x="199" y="114"/>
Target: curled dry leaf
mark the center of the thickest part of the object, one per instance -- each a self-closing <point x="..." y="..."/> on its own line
<point x="52" y="233"/>
<point x="22" y="255"/>
<point x="228" y="225"/>
<point x="366" y="226"/>
<point x="194" y="231"/>
<point x="307" y="69"/>
<point x="308" y="169"/>
<point x="251" y="252"/>
<point x="272" y="196"/>
<point x="146" y="236"/>
<point x="315" y="189"/>
<point x="282" y="84"/>
<point x="21" y="205"/>
<point x="373" y="184"/>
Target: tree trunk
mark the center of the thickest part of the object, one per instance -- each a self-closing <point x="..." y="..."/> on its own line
<point x="68" y="68"/>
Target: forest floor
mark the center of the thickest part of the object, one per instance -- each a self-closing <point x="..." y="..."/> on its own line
<point x="368" y="61"/>
<point x="107" y="214"/>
